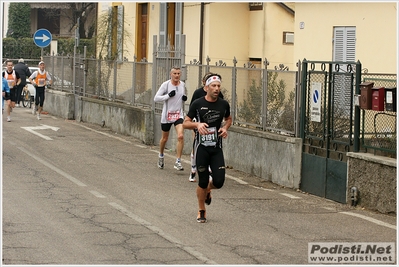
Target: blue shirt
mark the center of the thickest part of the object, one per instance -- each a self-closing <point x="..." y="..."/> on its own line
<point x="5" y="88"/>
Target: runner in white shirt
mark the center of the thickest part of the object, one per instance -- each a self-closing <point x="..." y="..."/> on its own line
<point x="173" y="94"/>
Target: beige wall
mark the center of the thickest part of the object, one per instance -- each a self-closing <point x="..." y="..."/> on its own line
<point x="153" y="28"/>
<point x="226" y="32"/>
<point x="130" y="27"/>
<point x="191" y="28"/>
<point x="266" y="39"/>
<point x="230" y="30"/>
<point x="376" y="32"/>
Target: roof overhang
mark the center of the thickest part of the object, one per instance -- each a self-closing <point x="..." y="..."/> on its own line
<point x="50" y="5"/>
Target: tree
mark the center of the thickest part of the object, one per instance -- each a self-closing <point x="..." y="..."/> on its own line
<point x="280" y="112"/>
<point x="19" y="20"/>
<point x="82" y="11"/>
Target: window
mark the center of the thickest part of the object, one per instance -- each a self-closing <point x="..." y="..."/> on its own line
<point x="255" y="6"/>
<point x="344" y="48"/>
<point x="344" y="44"/>
<point x="49" y="19"/>
<point x="288" y="38"/>
<point x="170" y="24"/>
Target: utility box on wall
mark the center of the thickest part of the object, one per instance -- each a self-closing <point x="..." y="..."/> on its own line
<point x="390" y="99"/>
<point x="366" y="95"/>
<point x="378" y="98"/>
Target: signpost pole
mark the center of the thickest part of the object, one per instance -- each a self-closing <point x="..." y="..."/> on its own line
<point x="42" y="38"/>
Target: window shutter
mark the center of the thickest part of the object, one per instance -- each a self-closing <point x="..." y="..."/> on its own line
<point x="350" y="43"/>
<point x="344" y="51"/>
<point x="162" y="24"/>
<point x="344" y="44"/>
<point x="338" y="44"/>
<point x="178" y="24"/>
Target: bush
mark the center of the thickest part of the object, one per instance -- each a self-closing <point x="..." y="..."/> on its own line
<point x="26" y="48"/>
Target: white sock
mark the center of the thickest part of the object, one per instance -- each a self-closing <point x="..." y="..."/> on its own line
<point x="193" y="165"/>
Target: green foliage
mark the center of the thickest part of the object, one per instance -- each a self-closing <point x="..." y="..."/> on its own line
<point x="19" y="20"/>
<point x="275" y="99"/>
<point x="21" y="48"/>
<point x="251" y="108"/>
<point x="280" y="113"/>
<point x="107" y="42"/>
<point x="66" y="46"/>
<point x="27" y="49"/>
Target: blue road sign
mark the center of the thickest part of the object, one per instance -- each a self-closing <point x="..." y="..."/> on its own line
<point x="42" y="38"/>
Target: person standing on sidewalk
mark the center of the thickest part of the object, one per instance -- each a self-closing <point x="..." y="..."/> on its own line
<point x="210" y="112"/>
<point x="39" y="79"/>
<point x="24" y="73"/>
<point x="13" y="81"/>
<point x="173" y="93"/>
<point x="198" y="93"/>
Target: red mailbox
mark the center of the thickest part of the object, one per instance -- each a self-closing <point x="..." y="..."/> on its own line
<point x="378" y="98"/>
<point x="365" y="95"/>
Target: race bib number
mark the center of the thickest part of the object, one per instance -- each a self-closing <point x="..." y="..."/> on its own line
<point x="173" y="115"/>
<point x="210" y="138"/>
<point x="41" y="82"/>
<point x="11" y="83"/>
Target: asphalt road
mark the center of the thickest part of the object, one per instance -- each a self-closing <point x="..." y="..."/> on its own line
<point x="77" y="193"/>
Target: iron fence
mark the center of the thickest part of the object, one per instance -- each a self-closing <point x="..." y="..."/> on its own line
<point x="260" y="98"/>
<point x="379" y="132"/>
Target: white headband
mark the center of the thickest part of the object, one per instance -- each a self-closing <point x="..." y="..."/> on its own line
<point x="212" y="79"/>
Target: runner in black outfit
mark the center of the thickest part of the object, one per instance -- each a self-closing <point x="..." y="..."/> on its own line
<point x="200" y="92"/>
<point x="209" y="112"/>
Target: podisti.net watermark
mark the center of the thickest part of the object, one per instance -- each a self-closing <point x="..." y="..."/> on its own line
<point x="347" y="252"/>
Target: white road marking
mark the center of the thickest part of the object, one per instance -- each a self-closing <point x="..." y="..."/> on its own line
<point x="369" y="219"/>
<point x="161" y="233"/>
<point x="97" y="194"/>
<point x="45" y="163"/>
<point x="106" y="134"/>
<point x="289" y="195"/>
<point x="43" y="127"/>
<point x="261" y="188"/>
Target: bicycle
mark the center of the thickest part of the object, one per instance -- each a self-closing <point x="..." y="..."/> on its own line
<point x="26" y="97"/>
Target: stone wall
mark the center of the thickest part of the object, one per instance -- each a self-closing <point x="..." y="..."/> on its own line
<point x="376" y="180"/>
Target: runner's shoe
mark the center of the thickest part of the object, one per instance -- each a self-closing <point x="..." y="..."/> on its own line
<point x="191" y="178"/>
<point x="160" y="162"/>
<point x="8" y="118"/>
<point x="178" y="166"/>
<point x="208" y="199"/>
<point x="38" y="117"/>
<point x="201" y="217"/>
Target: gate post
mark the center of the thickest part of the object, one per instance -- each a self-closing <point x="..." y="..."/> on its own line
<point x="134" y="79"/>
<point x="154" y="71"/>
<point x="303" y="97"/>
<point x="264" y="93"/>
<point x="234" y="90"/>
<point x="356" y="137"/>
<point x="298" y="83"/>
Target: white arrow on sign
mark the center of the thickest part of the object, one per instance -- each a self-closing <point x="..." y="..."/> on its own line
<point x="44" y="38"/>
<point x="43" y="127"/>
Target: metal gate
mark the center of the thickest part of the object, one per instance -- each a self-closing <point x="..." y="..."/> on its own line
<point x="327" y="126"/>
<point x="165" y="57"/>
